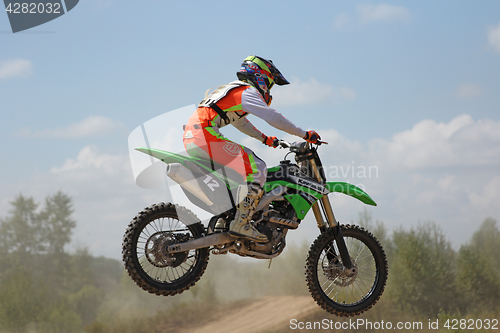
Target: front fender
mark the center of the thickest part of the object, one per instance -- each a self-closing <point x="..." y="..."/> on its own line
<point x="351" y="190"/>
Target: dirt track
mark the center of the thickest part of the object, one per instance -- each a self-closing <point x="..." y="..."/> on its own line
<point x="264" y="315"/>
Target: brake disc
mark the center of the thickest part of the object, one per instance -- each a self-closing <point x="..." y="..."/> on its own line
<point x="341" y="276"/>
<point x="156" y="250"/>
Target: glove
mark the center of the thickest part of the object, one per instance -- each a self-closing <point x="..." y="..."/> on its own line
<point x="271" y="141"/>
<point x="312" y="137"/>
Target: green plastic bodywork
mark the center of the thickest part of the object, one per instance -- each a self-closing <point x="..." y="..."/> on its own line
<point x="165" y="156"/>
<point x="273" y="169"/>
<point x="269" y="186"/>
<point x="300" y="205"/>
<point x="168" y="157"/>
<point x="351" y="190"/>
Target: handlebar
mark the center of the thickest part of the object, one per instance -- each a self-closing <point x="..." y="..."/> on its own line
<point x="285" y="144"/>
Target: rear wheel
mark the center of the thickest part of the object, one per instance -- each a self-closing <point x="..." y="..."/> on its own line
<point x="339" y="291"/>
<point x="144" y="249"/>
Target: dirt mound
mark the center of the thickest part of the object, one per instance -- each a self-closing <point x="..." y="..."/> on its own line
<point x="264" y="315"/>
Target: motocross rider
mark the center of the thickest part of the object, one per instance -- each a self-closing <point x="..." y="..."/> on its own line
<point x="231" y="104"/>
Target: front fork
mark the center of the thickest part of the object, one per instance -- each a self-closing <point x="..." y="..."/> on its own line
<point x="326" y="207"/>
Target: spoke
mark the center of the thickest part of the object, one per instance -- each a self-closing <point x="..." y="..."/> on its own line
<point x="361" y="285"/>
<point x="326" y="289"/>
<point x="154" y="226"/>
<point x="359" y="292"/>
<point x="164" y="273"/>
<point x="360" y="247"/>
<point x="336" y="295"/>
<point x="357" y="288"/>
<point x="149" y="256"/>
<point x="360" y="282"/>
<point x="161" y="224"/>
<point x="167" y="271"/>
<point x="368" y="255"/>
<point x="176" y="270"/>
<point x="370" y="264"/>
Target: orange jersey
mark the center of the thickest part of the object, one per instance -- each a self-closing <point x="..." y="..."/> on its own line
<point x="237" y="100"/>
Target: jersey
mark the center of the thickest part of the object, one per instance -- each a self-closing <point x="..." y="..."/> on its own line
<point x="237" y="100"/>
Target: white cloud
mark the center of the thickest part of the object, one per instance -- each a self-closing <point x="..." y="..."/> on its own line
<point x="494" y="37"/>
<point x="382" y="12"/>
<point x="487" y="196"/>
<point x="372" y="13"/>
<point x="444" y="172"/>
<point x="94" y="126"/>
<point x="461" y="142"/>
<point x="468" y="91"/>
<point x="310" y="92"/>
<point x="15" y="68"/>
<point x="88" y="157"/>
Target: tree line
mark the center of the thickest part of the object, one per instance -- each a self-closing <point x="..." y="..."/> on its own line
<point x="46" y="288"/>
<point x="428" y="277"/>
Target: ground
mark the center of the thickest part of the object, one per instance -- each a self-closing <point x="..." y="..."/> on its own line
<point x="264" y="315"/>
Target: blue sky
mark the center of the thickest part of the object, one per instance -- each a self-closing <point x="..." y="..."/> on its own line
<point x="412" y="88"/>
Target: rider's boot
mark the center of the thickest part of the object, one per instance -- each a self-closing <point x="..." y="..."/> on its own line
<point x="241" y="225"/>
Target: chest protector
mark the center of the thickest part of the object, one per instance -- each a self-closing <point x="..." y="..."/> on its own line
<point x="215" y="96"/>
<point x="219" y="93"/>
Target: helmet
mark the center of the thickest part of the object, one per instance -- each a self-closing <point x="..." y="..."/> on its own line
<point x="262" y="74"/>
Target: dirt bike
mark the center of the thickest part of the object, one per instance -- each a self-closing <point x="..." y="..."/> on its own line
<point x="166" y="247"/>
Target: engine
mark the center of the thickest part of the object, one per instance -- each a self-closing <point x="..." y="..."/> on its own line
<point x="275" y="223"/>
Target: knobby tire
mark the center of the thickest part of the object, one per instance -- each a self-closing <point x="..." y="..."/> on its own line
<point x="339" y="294"/>
<point x="152" y="270"/>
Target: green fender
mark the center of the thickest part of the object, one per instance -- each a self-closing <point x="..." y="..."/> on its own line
<point x="351" y="190"/>
<point x="164" y="156"/>
<point x="168" y="157"/>
<point x="302" y="206"/>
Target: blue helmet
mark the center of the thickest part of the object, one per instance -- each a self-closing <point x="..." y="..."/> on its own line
<point x="262" y="74"/>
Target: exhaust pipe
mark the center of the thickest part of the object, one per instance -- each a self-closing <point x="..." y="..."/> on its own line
<point x="185" y="178"/>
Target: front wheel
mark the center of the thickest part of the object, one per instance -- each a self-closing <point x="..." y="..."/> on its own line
<point x="145" y="253"/>
<point x="339" y="291"/>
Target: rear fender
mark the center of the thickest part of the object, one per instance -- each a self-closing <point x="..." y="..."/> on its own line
<point x="213" y="183"/>
<point x="231" y="179"/>
<point x="165" y="156"/>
